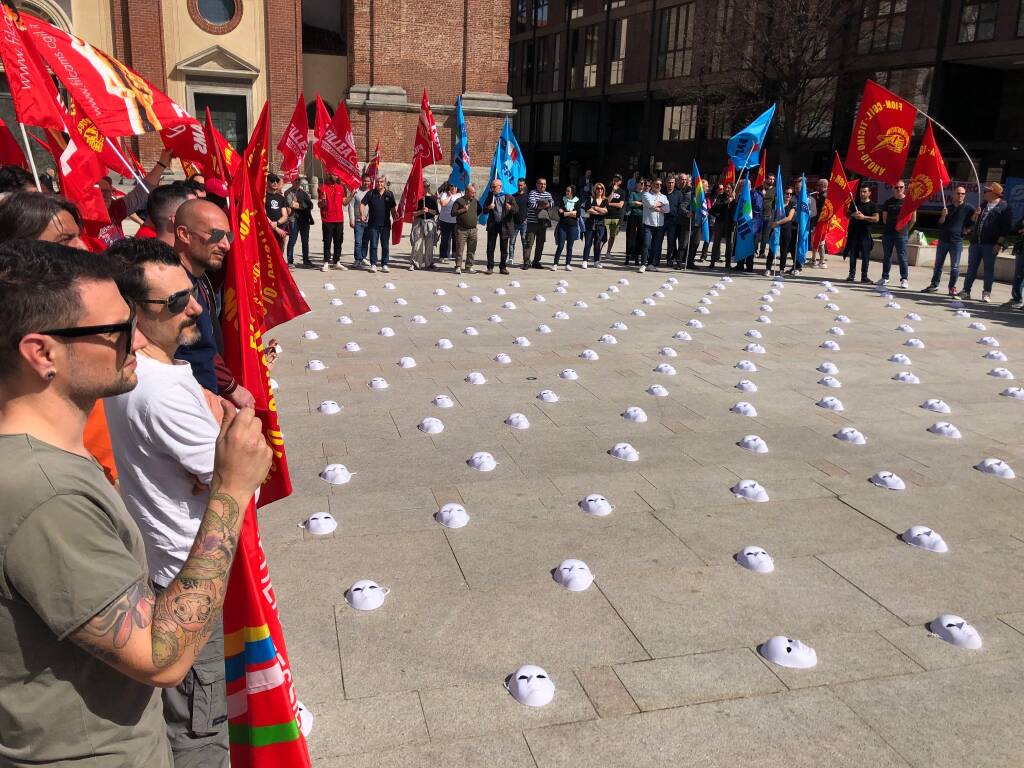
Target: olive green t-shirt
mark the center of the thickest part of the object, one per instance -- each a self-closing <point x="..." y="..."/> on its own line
<point x="67" y="548"/>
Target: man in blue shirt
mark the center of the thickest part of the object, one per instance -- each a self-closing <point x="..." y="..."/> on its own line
<point x="952" y="223"/>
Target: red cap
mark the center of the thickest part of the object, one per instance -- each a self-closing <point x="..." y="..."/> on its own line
<point x="216" y="187"/>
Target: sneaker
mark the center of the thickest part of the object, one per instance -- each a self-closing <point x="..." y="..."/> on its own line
<point x="471" y="270"/>
<point x="654" y="269"/>
<point x="599" y="265"/>
<point x="1017" y="305"/>
<point x="583" y="265"/>
<point x="930" y="289"/>
<point x="373" y="267"/>
<point x="412" y="267"/>
<point x="986" y="297"/>
<point x="642" y="269"/>
<point x="883" y="281"/>
<point x="953" y="291"/>
<point x="490" y="271"/>
<point x="458" y="271"/>
<point x="339" y="267"/>
<point x="552" y="267"/>
<point x="326" y="267"/>
<point x="965" y="296"/>
<point x="307" y="264"/>
<point x="850" y="278"/>
<point x="1008" y="304"/>
<point x="867" y="280"/>
<point x="764" y="273"/>
<point x="503" y="271"/>
<point x="384" y="269"/>
<point x="291" y="266"/>
<point x="904" y="283"/>
<point x="568" y="268"/>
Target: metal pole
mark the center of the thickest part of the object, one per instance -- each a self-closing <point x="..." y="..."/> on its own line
<point x="31" y="159"/>
<point x="962" y="149"/>
<point x="128" y="165"/>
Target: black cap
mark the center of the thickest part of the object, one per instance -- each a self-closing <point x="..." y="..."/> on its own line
<point x="273" y="178"/>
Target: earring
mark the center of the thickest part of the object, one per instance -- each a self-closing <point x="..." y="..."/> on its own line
<point x="51" y="375"/>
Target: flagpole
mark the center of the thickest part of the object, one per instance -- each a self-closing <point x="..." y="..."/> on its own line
<point x="433" y="167"/>
<point x="128" y="165"/>
<point x="31" y="158"/>
<point x="962" y="149"/>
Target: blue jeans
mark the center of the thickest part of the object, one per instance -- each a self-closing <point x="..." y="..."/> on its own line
<point x="1018" y="274"/>
<point x="565" y="235"/>
<point x="592" y="239"/>
<point x="899" y="242"/>
<point x="380" y="233"/>
<point x="977" y="255"/>
<point x="954" y="250"/>
<point x="518" y="233"/>
<point x="652" y="245"/>
<point x="361" y="241"/>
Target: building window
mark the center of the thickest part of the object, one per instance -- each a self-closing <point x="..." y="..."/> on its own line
<point x="914" y="85"/>
<point x="675" y="41"/>
<point x="680" y="123"/>
<point x="543" y="62"/>
<point x="549" y="122"/>
<point x="571" y="56"/>
<point x="322" y="30"/>
<point x="513" y="70"/>
<point x="522" y="123"/>
<point x="718" y="121"/>
<point x="527" y="69"/>
<point x="216" y="17"/>
<point x="556" y="57"/>
<point x="620" y="29"/>
<point x="881" y="27"/>
<point x="575" y="9"/>
<point x="522" y="16"/>
<point x="540" y="13"/>
<point x="614" y="4"/>
<point x="1020" y="21"/>
<point x="590" y="56"/>
<point x="977" y="20"/>
<point x="723" y="23"/>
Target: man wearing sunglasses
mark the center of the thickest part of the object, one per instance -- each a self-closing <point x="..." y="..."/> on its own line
<point x="164" y="435"/>
<point x="202" y="240"/>
<point x="84" y="639"/>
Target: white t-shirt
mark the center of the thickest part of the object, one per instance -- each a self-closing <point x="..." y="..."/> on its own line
<point x="353" y="206"/>
<point x="162" y="433"/>
<point x="446" y="204"/>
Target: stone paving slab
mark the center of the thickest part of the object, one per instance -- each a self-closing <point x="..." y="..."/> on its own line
<point x="657" y="663"/>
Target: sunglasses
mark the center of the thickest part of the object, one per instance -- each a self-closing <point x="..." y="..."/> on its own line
<point x="176" y="302"/>
<point x="214" y="236"/>
<point x="127" y="329"/>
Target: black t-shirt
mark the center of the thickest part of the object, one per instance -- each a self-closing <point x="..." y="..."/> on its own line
<point x="275" y="204"/>
<point x="430" y="203"/>
<point x="892" y="208"/>
<point x="957" y="219"/>
<point x="379" y="208"/>
<point x="616" y="196"/>
<point x="594" y="218"/>
<point x="859" y="227"/>
<point x="790" y="225"/>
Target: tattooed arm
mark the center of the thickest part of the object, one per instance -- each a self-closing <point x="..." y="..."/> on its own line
<point x="155" y="639"/>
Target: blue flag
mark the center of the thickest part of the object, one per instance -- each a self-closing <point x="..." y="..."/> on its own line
<point x="745" y="235"/>
<point x="744" y="148"/>
<point x="803" y="221"/>
<point x="700" y="204"/>
<point x="460" y="177"/>
<point x="507" y="165"/>
<point x="780" y="212"/>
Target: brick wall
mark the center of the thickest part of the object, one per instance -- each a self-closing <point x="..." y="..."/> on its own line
<point x="284" y="71"/>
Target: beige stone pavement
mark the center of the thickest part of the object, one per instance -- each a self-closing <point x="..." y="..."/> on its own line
<point x="657" y="663"/>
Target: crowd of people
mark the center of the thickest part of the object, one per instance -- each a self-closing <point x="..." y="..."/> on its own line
<point x="659" y="226"/>
<point x="131" y="453"/>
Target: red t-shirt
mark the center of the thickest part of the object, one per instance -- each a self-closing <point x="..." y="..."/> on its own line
<point x="333" y="198"/>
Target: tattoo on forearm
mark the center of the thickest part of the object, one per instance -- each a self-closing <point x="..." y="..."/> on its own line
<point x="113" y="626"/>
<point x="187" y="612"/>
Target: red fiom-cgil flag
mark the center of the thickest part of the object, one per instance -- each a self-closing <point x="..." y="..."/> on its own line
<point x="257" y="155"/>
<point x="762" y="173"/>
<point x="428" y="143"/>
<point x="336" y="146"/>
<point x="10" y="150"/>
<point x="189" y="144"/>
<point x="263" y="715"/>
<point x="729" y="174"/>
<point x="929" y="174"/>
<point x="119" y="100"/>
<point x="295" y="141"/>
<point x="78" y="167"/>
<point x="833" y="219"/>
<point x="85" y="130"/>
<point x="880" y="143"/>
<point x="373" y="167"/>
<point x="35" y="97"/>
<point x="412" y="194"/>
<point x="222" y="157"/>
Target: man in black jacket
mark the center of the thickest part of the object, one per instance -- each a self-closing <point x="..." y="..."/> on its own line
<point x="993" y="225"/>
<point x="501" y="212"/>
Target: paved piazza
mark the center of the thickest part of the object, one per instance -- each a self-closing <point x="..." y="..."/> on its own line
<point x="657" y="663"/>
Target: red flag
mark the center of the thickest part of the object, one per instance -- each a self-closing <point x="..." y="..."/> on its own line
<point x="336" y="147"/>
<point x="880" y="143"/>
<point x="35" y="97"/>
<point x="833" y="220"/>
<point x="262" y="705"/>
<point x="323" y="119"/>
<point x="729" y="174"/>
<point x="373" y="167"/>
<point x="90" y="137"/>
<point x="10" y="150"/>
<point x="119" y="100"/>
<point x="189" y="144"/>
<point x="78" y="168"/>
<point x="428" y="143"/>
<point x="412" y="194"/>
<point x="295" y="141"/>
<point x="223" y="159"/>
<point x="761" y="172"/>
<point x="929" y="174"/>
<point x="257" y="155"/>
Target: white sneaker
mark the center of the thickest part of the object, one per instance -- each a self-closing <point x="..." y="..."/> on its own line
<point x="373" y="268"/>
<point x="882" y="281"/>
<point x="552" y="267"/>
<point x="904" y="284"/>
<point x="583" y="265"/>
<point x="340" y="267"/>
<point x="458" y="271"/>
<point x="642" y="269"/>
<point x="986" y="297"/>
<point x="384" y="269"/>
<point x="325" y="267"/>
<point x="568" y="268"/>
<point x="412" y="267"/>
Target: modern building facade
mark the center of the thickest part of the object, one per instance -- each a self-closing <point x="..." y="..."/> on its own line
<point x="618" y="85"/>
<point x="379" y="55"/>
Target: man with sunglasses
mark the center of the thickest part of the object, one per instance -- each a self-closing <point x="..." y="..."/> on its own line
<point x="164" y="435"/>
<point x="202" y="240"/>
<point x="84" y="640"/>
<point x="893" y="237"/>
<point x="952" y="223"/>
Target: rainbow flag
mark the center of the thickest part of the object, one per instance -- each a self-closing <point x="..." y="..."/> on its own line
<point x="701" y="207"/>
